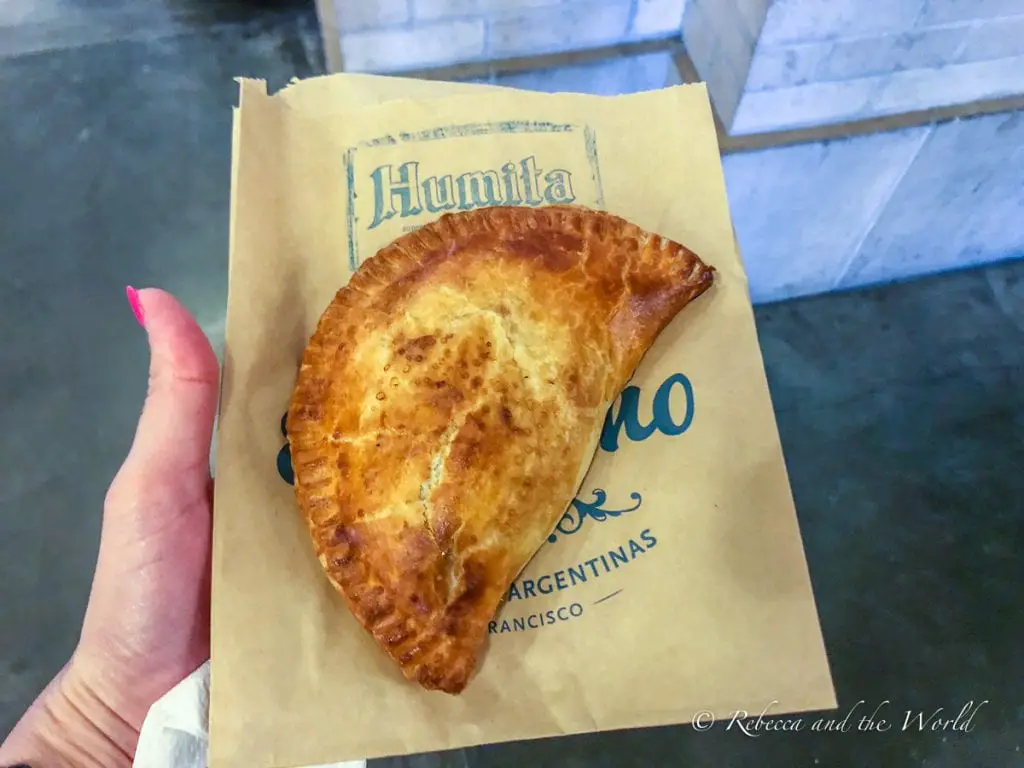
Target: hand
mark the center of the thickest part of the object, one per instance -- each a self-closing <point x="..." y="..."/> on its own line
<point x="147" y="625"/>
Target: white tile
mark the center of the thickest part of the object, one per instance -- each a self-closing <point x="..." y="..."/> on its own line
<point x="657" y="17"/>
<point x="801" y="211"/>
<point x="735" y="51"/>
<point x="998" y="39"/>
<point x="805" y="105"/>
<point x="426" y="45"/>
<point x="928" y="47"/>
<point x="728" y="20"/>
<point x="807" y="20"/>
<point x="721" y="51"/>
<point x="945" y="11"/>
<point x="786" y="67"/>
<point x="567" y="27"/>
<point x="355" y="15"/>
<point x="956" y="84"/>
<point x="608" y="78"/>
<point x="440" y="9"/>
<point x="882" y="54"/>
<point x="722" y="14"/>
<point x="699" y="37"/>
<point x="752" y="13"/>
<point x="959" y="204"/>
<point x="735" y="47"/>
<point x="725" y="88"/>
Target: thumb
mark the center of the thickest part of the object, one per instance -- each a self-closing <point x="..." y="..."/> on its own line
<point x="176" y="426"/>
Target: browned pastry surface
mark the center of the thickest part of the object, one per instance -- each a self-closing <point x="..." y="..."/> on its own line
<point x="449" y="403"/>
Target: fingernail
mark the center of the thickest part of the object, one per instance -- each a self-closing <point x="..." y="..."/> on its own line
<point x="135" y="304"/>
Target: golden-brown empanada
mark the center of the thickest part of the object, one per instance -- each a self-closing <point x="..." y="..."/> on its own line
<point x="449" y="405"/>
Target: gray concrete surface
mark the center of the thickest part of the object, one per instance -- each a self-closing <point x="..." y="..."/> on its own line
<point x="901" y="408"/>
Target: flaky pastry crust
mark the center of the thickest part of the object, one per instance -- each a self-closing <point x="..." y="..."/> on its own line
<point x="448" y="407"/>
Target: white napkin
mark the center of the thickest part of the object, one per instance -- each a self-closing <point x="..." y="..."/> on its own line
<point x="175" y="733"/>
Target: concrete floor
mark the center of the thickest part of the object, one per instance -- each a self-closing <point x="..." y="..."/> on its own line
<point x="901" y="408"/>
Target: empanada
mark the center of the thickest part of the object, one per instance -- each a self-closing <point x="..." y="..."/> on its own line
<point x="449" y="405"/>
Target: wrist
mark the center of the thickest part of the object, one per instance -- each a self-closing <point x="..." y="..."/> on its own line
<point x="70" y="726"/>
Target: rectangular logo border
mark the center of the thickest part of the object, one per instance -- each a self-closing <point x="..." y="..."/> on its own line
<point x="461" y="131"/>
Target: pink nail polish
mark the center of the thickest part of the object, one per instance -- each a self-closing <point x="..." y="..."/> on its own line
<point x="135" y="304"/>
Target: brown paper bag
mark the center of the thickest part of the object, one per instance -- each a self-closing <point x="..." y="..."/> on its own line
<point x="676" y="583"/>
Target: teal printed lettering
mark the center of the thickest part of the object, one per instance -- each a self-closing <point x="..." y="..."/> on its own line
<point x="479" y="189"/>
<point x="401" y="191"/>
<point x="628" y="417"/>
<point x="662" y="420"/>
<point x="531" y="180"/>
<point x="579" y="511"/>
<point x="536" y="620"/>
<point x="513" y="195"/>
<point x="618" y="556"/>
<point x="559" y="189"/>
<point x="583" y="572"/>
<point x="439" y="194"/>
<point x="663" y="409"/>
<point x="386" y="188"/>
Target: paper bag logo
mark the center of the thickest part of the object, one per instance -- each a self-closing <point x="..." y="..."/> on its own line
<point x="399" y="181"/>
<point x="666" y="419"/>
<point x="401" y="192"/>
<point x="582" y="572"/>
